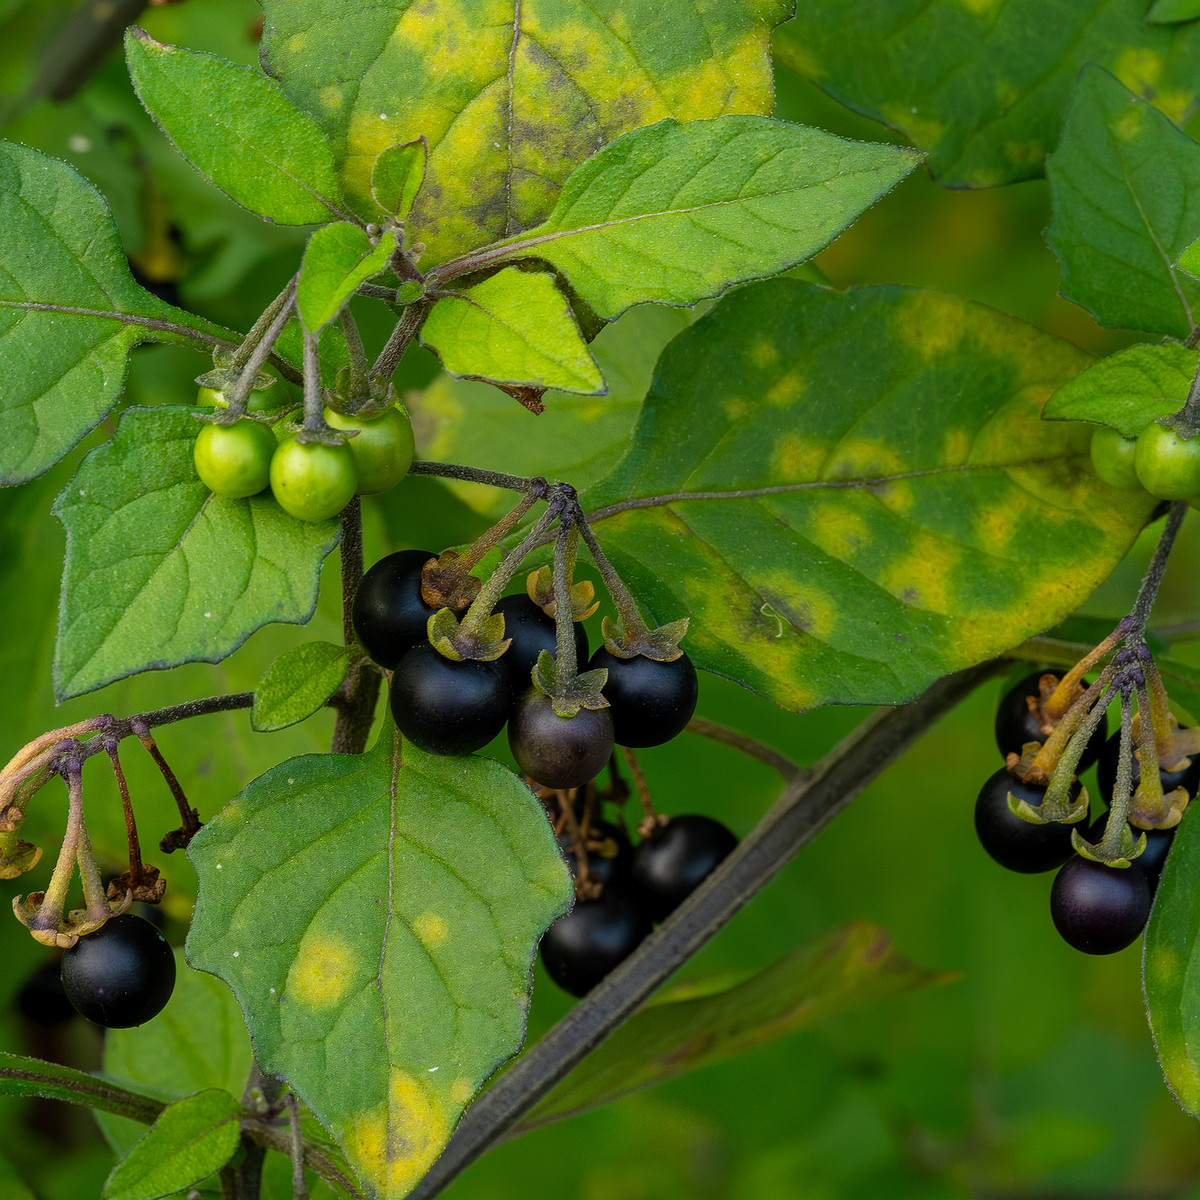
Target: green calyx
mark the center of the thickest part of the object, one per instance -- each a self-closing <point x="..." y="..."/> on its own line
<point x="660" y="644"/>
<point x="457" y="640"/>
<point x="568" y="695"/>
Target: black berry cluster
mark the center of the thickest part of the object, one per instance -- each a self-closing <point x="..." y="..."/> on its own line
<point x="624" y="890"/>
<point x="1097" y="908"/>
<point x="448" y="706"/>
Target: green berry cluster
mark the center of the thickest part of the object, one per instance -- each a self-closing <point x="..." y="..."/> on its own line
<point x="311" y="480"/>
<point x="1160" y="460"/>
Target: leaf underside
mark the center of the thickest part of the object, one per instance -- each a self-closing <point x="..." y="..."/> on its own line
<point x="387" y="925"/>
<point x="854" y="494"/>
<point x="983" y="86"/>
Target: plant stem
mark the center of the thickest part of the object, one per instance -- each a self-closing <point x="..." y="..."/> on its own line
<point x="359" y="367"/>
<point x="804" y="808"/>
<point x="514" y="483"/>
<point x="260" y="351"/>
<point x="406" y="329"/>
<point x="1153" y="578"/>
<point x="566" y="549"/>
<point x="131" y="833"/>
<point x="633" y="624"/>
<point x="748" y="745"/>
<point x="1187" y="420"/>
<point x="359" y="695"/>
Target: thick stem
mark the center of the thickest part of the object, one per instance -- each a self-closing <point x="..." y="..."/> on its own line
<point x="803" y="809"/>
<point x="359" y="366"/>
<point x="260" y="351"/>
<point x="566" y="550"/>
<point x="356" y="712"/>
<point x="314" y="406"/>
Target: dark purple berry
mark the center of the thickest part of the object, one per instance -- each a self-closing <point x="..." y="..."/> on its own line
<point x="651" y="701"/>
<point x="578" y="950"/>
<point x="1099" y="909"/>
<point x="389" y="616"/>
<point x="121" y="975"/>
<point x="449" y="707"/>
<point x="608" y="853"/>
<point x="559" y="752"/>
<point x="670" y="864"/>
<point x="1152" y="859"/>
<point x="1016" y="724"/>
<point x="532" y="632"/>
<point x="1016" y="844"/>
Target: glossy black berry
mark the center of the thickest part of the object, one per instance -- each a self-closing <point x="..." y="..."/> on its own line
<point x="449" y="707"/>
<point x="1013" y="843"/>
<point x="651" y="701"/>
<point x="1152" y="859"/>
<point x="532" y="632"/>
<point x="1099" y="909"/>
<point x="578" y="950"/>
<point x="559" y="752"/>
<point x="389" y="616"/>
<point x="42" y="1000"/>
<point x="608" y="853"/>
<point x="1016" y="724"/>
<point x="121" y="975"/>
<point x="1106" y="771"/>
<point x="675" y="860"/>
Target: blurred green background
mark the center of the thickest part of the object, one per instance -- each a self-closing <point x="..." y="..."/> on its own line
<point x="1033" y="1075"/>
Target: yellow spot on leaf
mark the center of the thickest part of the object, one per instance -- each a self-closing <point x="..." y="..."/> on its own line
<point x="431" y="929"/>
<point x="979" y="7"/>
<point x="788" y="388"/>
<point x="1129" y="124"/>
<point x="331" y="98"/>
<point x="863" y="459"/>
<point x="796" y="459"/>
<point x="1163" y="964"/>
<point x="931" y="323"/>
<point x="839" y="530"/>
<point x="321" y="972"/>
<point x="922" y="576"/>
<point x="925" y="131"/>
<point x="395" y="1144"/>
<point x="1139" y="67"/>
<point x="461" y="1090"/>
<point x="956" y="445"/>
<point x="297" y="43"/>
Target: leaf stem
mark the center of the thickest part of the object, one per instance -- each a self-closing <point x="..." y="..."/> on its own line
<point x="747" y="745"/>
<point x="406" y="329"/>
<point x="804" y="807"/>
<point x="1151" y="581"/>
<point x="514" y="483"/>
<point x="262" y="342"/>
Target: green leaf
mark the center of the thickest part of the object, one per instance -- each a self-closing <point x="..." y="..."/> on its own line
<point x="983" y="86"/>
<point x="1128" y="389"/>
<point x="853" y="494"/>
<point x="31" y="1077"/>
<point x="238" y="129"/>
<point x="298" y="683"/>
<point x="577" y="439"/>
<point x="514" y="327"/>
<point x="159" y="571"/>
<point x="510" y="97"/>
<point x="413" y="965"/>
<point x="1189" y="260"/>
<point x="337" y="259"/>
<point x="197" y="1042"/>
<point x="682" y="1030"/>
<point x="193" y="1139"/>
<point x="70" y="312"/>
<point x="675" y="213"/>
<point x="1172" y="12"/>
<point x="397" y="176"/>
<point x="1171" y="965"/>
<point x="1126" y="189"/>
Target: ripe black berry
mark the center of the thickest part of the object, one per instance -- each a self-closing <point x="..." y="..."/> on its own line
<point x="676" y="859"/>
<point x="449" y="707"/>
<point x="608" y="853"/>
<point x="531" y="632"/>
<point x="1152" y="859"/>
<point x="1099" y="909"/>
<point x="388" y="613"/>
<point x="651" y="701"/>
<point x="559" y="752"/>
<point x="578" y="950"/>
<point x="1013" y="843"/>
<point x="121" y="975"/>
<point x="1106" y="771"/>
<point x="1016" y="724"/>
